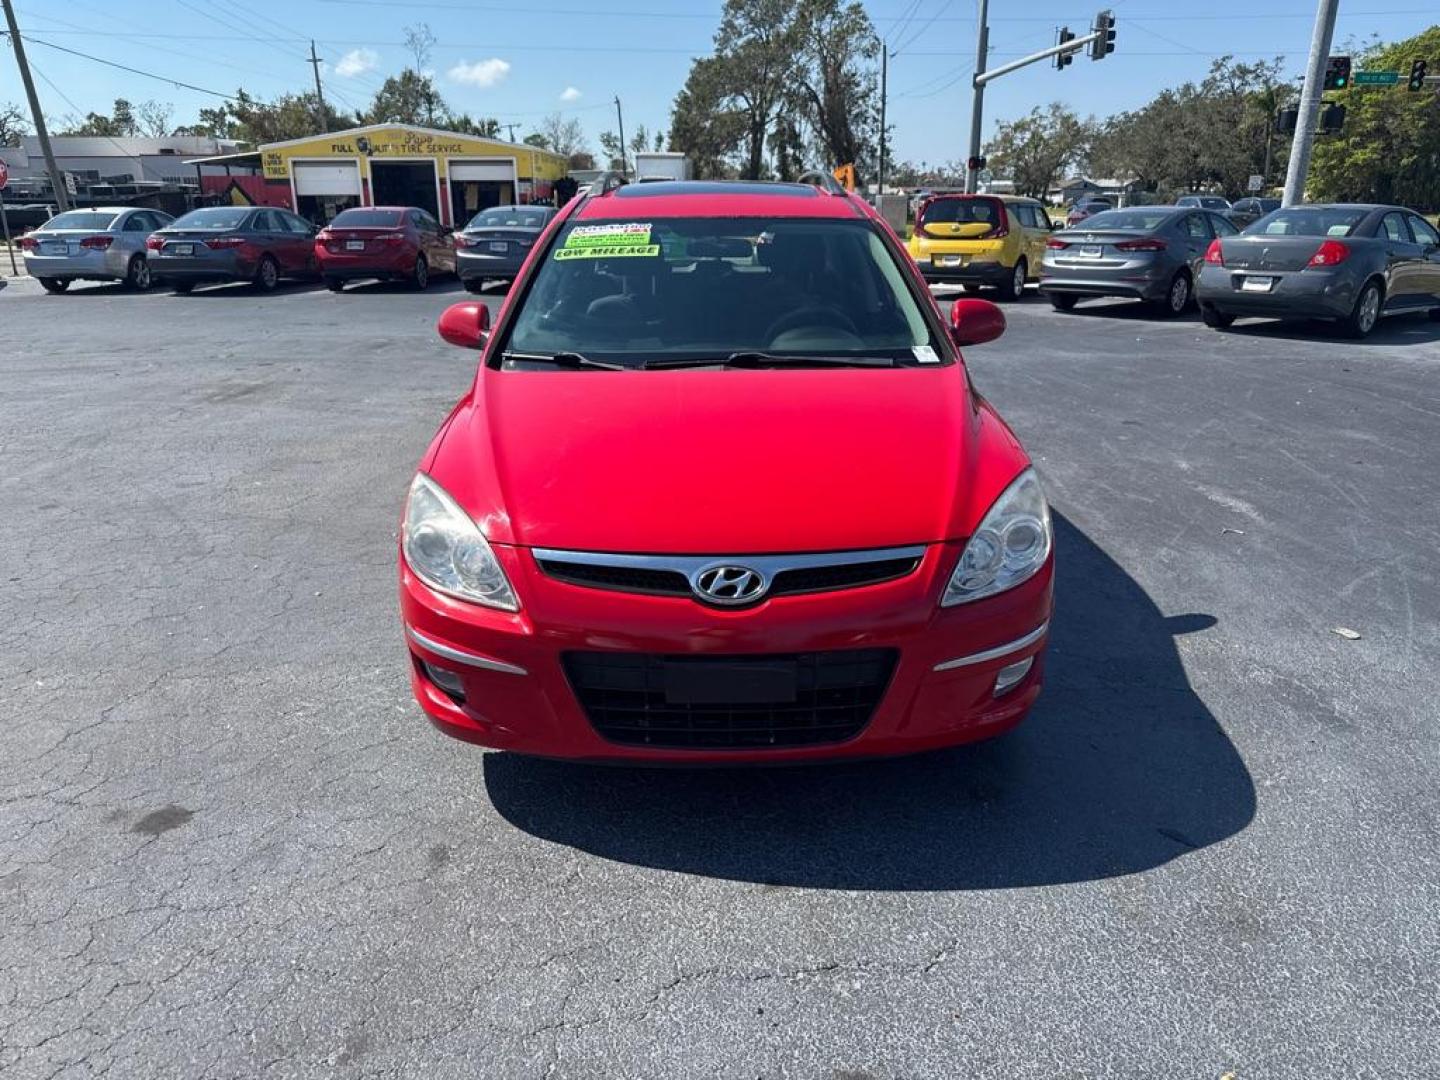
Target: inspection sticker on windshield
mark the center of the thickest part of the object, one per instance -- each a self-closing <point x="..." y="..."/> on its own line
<point x="925" y="354"/>
<point x="620" y="240"/>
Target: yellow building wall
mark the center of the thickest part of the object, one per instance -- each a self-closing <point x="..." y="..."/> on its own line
<point x="402" y="142"/>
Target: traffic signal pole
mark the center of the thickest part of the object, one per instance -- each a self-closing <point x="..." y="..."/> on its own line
<point x="1310" y="97"/>
<point x="1102" y="36"/>
<point x="977" y="102"/>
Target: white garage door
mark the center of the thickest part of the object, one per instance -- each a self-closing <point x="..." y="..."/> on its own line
<point x="503" y="171"/>
<point x="316" y="179"/>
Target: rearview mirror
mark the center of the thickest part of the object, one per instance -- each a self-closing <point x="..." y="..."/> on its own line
<point x="974" y="322"/>
<point x="466" y="325"/>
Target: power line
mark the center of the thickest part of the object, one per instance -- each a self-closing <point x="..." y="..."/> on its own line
<point x="126" y="67"/>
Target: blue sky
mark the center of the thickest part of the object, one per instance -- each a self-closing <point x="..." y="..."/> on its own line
<point x="519" y="60"/>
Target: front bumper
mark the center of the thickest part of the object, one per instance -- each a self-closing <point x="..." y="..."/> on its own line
<point x="107" y="265"/>
<point x="1295" y="294"/>
<point x="517" y="696"/>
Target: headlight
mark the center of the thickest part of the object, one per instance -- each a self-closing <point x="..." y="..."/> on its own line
<point x="447" y="550"/>
<point x="1010" y="545"/>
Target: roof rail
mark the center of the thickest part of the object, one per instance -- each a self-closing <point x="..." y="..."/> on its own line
<point x="823" y="180"/>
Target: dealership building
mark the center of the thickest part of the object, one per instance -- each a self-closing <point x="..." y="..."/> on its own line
<point x="449" y="174"/>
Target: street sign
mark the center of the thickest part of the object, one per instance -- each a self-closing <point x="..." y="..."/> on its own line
<point x="1257" y="182"/>
<point x="1377" y="78"/>
<point x="70" y="183"/>
<point x="4" y="174"/>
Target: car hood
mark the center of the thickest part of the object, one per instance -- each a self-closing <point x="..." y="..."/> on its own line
<point x="725" y="461"/>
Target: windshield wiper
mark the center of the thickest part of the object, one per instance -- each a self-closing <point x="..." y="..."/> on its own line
<point x="563" y="359"/>
<point x="756" y="359"/>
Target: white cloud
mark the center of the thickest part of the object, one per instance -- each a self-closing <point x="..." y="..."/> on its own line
<point x="482" y="72"/>
<point x="570" y="94"/>
<point x="357" y="62"/>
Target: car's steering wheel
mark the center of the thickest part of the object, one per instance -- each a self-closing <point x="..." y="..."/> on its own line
<point x="811" y="315"/>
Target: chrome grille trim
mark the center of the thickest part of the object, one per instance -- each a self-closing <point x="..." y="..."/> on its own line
<point x="684" y="570"/>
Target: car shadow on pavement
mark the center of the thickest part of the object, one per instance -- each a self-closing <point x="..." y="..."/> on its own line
<point x="1408" y="329"/>
<point x="212" y="289"/>
<point x="1121" y="768"/>
<point x="446" y="284"/>
<point x="1132" y="310"/>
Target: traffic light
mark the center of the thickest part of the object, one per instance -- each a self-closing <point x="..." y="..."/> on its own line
<point x="1332" y="119"/>
<point x="1104" y="45"/>
<point x="975" y="164"/>
<point x="1064" y="59"/>
<point x="1417" y="75"/>
<point x="1286" y="118"/>
<point x="1337" y="73"/>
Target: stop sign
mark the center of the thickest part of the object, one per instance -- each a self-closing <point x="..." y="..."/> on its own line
<point x="4" y="174"/>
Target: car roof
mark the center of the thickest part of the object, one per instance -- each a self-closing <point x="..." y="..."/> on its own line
<point x="397" y="209"/>
<point x="717" y="198"/>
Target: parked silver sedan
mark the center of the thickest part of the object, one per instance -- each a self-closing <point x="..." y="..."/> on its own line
<point x="1350" y="262"/>
<point x="1150" y="253"/>
<point x="103" y="243"/>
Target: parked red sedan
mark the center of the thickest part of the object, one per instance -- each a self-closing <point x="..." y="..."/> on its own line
<point x="722" y="491"/>
<point x="400" y="243"/>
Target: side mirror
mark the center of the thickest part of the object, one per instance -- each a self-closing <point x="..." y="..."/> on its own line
<point x="466" y="325"/>
<point x="1056" y="226"/>
<point x="974" y="322"/>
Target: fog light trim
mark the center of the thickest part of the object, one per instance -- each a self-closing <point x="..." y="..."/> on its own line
<point x="462" y="657"/>
<point x="997" y="652"/>
<point x="1012" y="675"/>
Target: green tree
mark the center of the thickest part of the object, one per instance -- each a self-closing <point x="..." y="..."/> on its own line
<point x="408" y="98"/>
<point x="755" y="49"/>
<point x="119" y="123"/>
<point x="836" y="79"/>
<point x="704" y="125"/>
<point x="1389" y="150"/>
<point x="1035" y="149"/>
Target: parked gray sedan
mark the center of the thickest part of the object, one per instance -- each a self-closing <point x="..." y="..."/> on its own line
<point x="497" y="241"/>
<point x="1348" y="262"/>
<point x="103" y="243"/>
<point x="1151" y="253"/>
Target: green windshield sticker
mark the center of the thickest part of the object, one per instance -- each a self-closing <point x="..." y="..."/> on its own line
<point x="609" y="251"/>
<point x="626" y="233"/>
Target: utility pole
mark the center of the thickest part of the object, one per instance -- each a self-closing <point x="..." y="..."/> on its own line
<point x="510" y="128"/>
<point x="884" y="62"/>
<point x="977" y="106"/>
<point x="620" y="120"/>
<point x="57" y="182"/>
<point x="1310" y="97"/>
<point x="315" y="62"/>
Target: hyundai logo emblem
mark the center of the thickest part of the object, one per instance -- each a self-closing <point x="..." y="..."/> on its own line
<point x="729" y="585"/>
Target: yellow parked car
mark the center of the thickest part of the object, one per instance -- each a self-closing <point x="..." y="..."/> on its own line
<point x="981" y="240"/>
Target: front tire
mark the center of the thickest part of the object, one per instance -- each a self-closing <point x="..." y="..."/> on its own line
<point x="1176" y="298"/>
<point x="1366" y="313"/>
<point x="1013" y="288"/>
<point x="1063" y="301"/>
<point x="54" y="284"/>
<point x="420" y="276"/>
<point x="267" y="274"/>
<point x="137" y="275"/>
<point x="1215" y="318"/>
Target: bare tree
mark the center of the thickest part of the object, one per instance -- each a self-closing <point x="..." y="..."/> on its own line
<point x="154" y="118"/>
<point x="421" y="42"/>
<point x="564" y="136"/>
<point x="12" y="124"/>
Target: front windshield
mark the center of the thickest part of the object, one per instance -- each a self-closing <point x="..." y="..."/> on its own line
<point x="637" y="291"/>
<point x="212" y="217"/>
<point x="1309" y="221"/>
<point x="1129" y="220"/>
<point x="510" y="216"/>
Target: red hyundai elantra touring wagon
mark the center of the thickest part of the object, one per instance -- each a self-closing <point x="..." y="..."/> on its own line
<point x="722" y="492"/>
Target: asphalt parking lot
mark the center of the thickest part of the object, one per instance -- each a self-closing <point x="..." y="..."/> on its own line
<point x="231" y="846"/>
